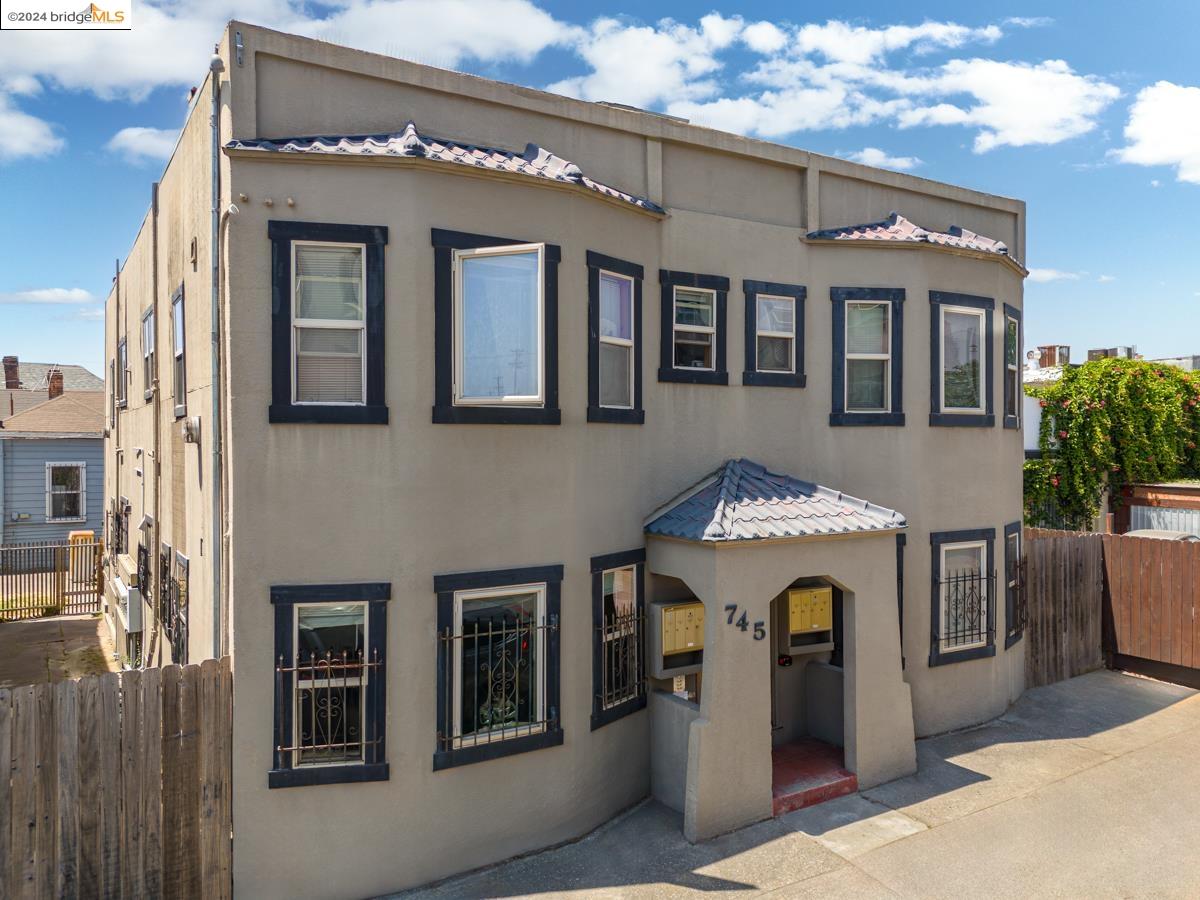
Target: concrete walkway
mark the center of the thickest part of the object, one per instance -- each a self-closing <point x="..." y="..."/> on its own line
<point x="33" y="651"/>
<point x="1087" y="788"/>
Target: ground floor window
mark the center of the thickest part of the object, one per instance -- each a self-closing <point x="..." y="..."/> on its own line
<point x="66" y="492"/>
<point x="963" y="615"/>
<point x="618" y="668"/>
<point x="498" y="663"/>
<point x="330" y="649"/>
<point x="1014" y="585"/>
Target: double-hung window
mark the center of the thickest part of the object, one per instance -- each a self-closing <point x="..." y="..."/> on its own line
<point x="960" y="360"/>
<point x="66" y="491"/>
<point x="122" y="373"/>
<point x="867" y="356"/>
<point x="148" y="352"/>
<point x="1014" y="585"/>
<point x="327" y="330"/>
<point x="179" y="359"/>
<point x="618" y="648"/>
<point x="963" y="596"/>
<point x="1012" y="367"/>
<point x="615" y="340"/>
<point x="774" y="334"/>
<point x="498" y="664"/>
<point x="693" y="328"/>
<point x="496" y="330"/>
<point x="330" y="645"/>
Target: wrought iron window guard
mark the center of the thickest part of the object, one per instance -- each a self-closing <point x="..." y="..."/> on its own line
<point x="502" y="666"/>
<point x="622" y="663"/>
<point x="321" y="686"/>
<point x="965" y="619"/>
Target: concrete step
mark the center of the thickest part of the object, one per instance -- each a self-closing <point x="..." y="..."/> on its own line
<point x="807" y="772"/>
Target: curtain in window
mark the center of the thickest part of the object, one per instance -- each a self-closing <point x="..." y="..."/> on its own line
<point x="329" y="289"/>
<point x="866" y="334"/>
<point x="500" y="326"/>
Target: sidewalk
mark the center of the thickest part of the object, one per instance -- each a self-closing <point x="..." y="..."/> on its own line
<point x="1086" y="788"/>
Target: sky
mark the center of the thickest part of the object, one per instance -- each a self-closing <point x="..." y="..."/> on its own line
<point x="1090" y="115"/>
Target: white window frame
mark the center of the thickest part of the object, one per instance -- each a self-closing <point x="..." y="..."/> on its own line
<point x="82" y="467"/>
<point x="697" y="329"/>
<point x="943" y="648"/>
<point x="538" y="399"/>
<point x="540" y="675"/>
<point x="641" y="634"/>
<point x="149" y="345"/>
<point x="984" y="337"/>
<point x="333" y="324"/>
<point x="1012" y="371"/>
<point x="122" y="372"/>
<point x="886" y="357"/>
<point x="299" y="684"/>
<point x="791" y="336"/>
<point x="619" y="342"/>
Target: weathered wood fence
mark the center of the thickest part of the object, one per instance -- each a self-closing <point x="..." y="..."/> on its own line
<point x="50" y="579"/>
<point x="1064" y="604"/>
<point x="118" y="785"/>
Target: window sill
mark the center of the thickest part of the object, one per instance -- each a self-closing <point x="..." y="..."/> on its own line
<point x="121" y="404"/>
<point x="147" y="395"/>
<point x="693" y="376"/>
<point x="66" y="521"/>
<point x="616" y="416"/>
<point x="310" y="775"/>
<point x="852" y="418"/>
<point x="332" y="415"/>
<point x="604" y="717"/>
<point x="774" y="379"/>
<point x="496" y="415"/>
<point x="1012" y="422"/>
<point x="180" y="412"/>
<point x="947" y="657"/>
<point x="465" y="756"/>
<point x="962" y="420"/>
<point x="1013" y="639"/>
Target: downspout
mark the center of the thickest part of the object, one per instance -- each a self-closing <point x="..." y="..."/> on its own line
<point x="152" y="649"/>
<point x="215" y="67"/>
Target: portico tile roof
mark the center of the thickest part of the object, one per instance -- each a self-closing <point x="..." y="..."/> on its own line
<point x="896" y="228"/>
<point x="536" y="162"/>
<point x="742" y="501"/>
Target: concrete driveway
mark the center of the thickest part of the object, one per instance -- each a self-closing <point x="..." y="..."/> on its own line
<point x="33" y="651"/>
<point x="1087" y="788"/>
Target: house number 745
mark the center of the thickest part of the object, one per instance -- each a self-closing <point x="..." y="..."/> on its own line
<point x="743" y="623"/>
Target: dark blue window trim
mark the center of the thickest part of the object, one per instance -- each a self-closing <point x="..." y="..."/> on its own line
<point x="719" y="284"/>
<point x="282" y="409"/>
<point x="938" y="299"/>
<point x="444" y="411"/>
<point x="1010" y="601"/>
<point x="901" y="543"/>
<point x="1011" y="312"/>
<point x="599" y="565"/>
<point x="936" y="539"/>
<point x="750" y="374"/>
<point x="375" y="767"/>
<point x="839" y="297"/>
<point x="597" y="262"/>
<point x="445" y="586"/>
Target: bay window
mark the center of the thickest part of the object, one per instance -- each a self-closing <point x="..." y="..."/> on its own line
<point x="1013" y="393"/>
<point x="960" y="360"/>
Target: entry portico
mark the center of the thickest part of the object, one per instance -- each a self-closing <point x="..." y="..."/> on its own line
<point x="741" y="538"/>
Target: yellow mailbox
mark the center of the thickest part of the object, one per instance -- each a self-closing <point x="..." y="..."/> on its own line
<point x="682" y="628"/>
<point x="810" y="609"/>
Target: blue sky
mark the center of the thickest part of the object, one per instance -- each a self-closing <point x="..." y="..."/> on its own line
<point x="1091" y="118"/>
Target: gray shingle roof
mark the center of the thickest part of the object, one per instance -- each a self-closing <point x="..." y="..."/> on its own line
<point x="897" y="228"/>
<point x="36" y="377"/>
<point x="536" y="162"/>
<point x="742" y="501"/>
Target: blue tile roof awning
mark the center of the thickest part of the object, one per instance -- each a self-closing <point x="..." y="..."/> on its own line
<point x="898" y="230"/>
<point x="535" y="162"/>
<point x="742" y="501"/>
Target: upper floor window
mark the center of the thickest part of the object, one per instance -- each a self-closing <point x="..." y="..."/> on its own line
<point x="963" y="609"/>
<point x="1012" y="367"/>
<point x="615" y="340"/>
<point x="960" y="363"/>
<point x="618" y="648"/>
<point x="693" y="328"/>
<point x="496" y="341"/>
<point x="148" y="352"/>
<point x="66" y="492"/>
<point x="774" y="334"/>
<point x="122" y="373"/>
<point x="178" y="356"/>
<point x="867" y="356"/>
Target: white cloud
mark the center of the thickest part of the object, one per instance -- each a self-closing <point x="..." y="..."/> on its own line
<point x="139" y="144"/>
<point x="48" y="296"/>
<point x="1104" y="279"/>
<point x="764" y="37"/>
<point x="873" y="156"/>
<point x="1015" y="103"/>
<point x="1154" y="182"/>
<point x="23" y="135"/>
<point x="1164" y="130"/>
<point x="1044" y="275"/>
<point x="90" y="314"/>
<point x="842" y="42"/>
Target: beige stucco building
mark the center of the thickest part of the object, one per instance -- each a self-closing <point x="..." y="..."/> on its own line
<point x="516" y="397"/>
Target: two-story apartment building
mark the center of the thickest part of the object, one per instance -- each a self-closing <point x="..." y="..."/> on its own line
<point x="560" y="454"/>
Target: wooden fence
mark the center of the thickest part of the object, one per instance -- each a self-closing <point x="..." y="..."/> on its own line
<point x="118" y="785"/>
<point x="50" y="579"/>
<point x="1064" y="604"/>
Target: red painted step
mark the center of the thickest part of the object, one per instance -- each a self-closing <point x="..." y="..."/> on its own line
<point x="807" y="772"/>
